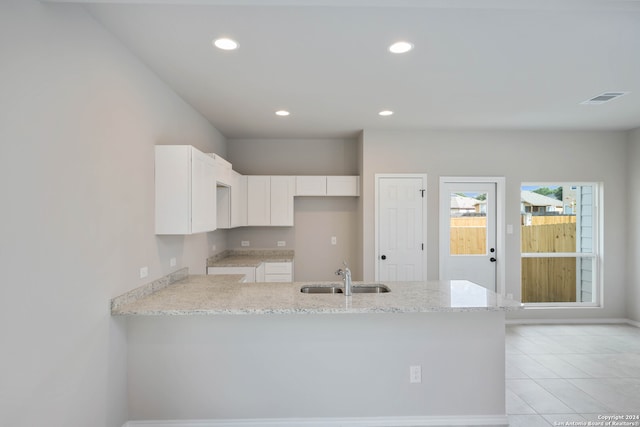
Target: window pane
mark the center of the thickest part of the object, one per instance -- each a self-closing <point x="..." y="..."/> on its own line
<point x="548" y="280"/>
<point x="468" y="224"/>
<point x="557" y="218"/>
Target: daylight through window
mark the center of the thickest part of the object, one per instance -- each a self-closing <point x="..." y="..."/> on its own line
<point x="559" y="243"/>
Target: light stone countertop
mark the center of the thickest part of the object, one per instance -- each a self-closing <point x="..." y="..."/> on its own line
<point x="224" y="294"/>
<point x="249" y="257"/>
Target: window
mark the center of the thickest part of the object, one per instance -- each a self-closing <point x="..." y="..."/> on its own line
<point x="560" y="244"/>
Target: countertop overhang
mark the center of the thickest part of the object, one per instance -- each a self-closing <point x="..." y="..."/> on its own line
<point x="226" y="295"/>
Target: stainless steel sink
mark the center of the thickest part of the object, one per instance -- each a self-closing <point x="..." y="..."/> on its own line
<point x="320" y="290"/>
<point x="370" y="289"/>
<point x="356" y="289"/>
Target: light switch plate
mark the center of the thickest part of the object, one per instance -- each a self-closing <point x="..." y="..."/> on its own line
<point x="282" y="243"/>
<point x="172" y="262"/>
<point x="245" y="243"/>
<point x="144" y="272"/>
<point x="334" y="240"/>
<point x="415" y="374"/>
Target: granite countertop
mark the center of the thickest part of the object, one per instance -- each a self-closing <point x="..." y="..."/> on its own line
<point x="249" y="257"/>
<point x="224" y="294"/>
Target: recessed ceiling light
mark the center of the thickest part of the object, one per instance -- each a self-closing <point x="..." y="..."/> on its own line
<point x="385" y="113"/>
<point x="282" y="113"/>
<point x="400" y="47"/>
<point x="225" y="44"/>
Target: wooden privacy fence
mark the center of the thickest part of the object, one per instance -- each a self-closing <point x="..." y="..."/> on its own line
<point x="468" y="235"/>
<point x="543" y="279"/>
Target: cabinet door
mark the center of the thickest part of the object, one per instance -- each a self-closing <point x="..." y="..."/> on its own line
<point x="223" y="201"/>
<point x="260" y="273"/>
<point x="311" y="185"/>
<point x="203" y="192"/>
<point x="343" y="186"/>
<point x="258" y="200"/>
<point x="238" y="200"/>
<point x="282" y="191"/>
<point x="185" y="190"/>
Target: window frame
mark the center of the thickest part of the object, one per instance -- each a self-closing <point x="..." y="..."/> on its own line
<point x="595" y="254"/>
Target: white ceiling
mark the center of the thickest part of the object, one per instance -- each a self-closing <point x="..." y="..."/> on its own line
<point x="477" y="64"/>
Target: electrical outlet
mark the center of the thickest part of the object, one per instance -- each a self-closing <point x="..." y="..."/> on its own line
<point x="144" y="272"/>
<point x="172" y="262"/>
<point x="509" y="228"/>
<point x="282" y="243"/>
<point x="415" y="374"/>
<point x="334" y="240"/>
<point x="213" y="248"/>
<point x="245" y="243"/>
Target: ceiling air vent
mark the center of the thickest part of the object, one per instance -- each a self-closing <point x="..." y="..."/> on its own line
<point x="603" y="97"/>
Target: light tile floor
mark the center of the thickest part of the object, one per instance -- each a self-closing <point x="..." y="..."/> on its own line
<point x="561" y="373"/>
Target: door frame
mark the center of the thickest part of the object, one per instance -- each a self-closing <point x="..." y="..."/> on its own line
<point x="377" y="178"/>
<point x="500" y="224"/>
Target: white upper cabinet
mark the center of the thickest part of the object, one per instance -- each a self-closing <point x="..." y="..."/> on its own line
<point x="258" y="200"/>
<point x="270" y="200"/>
<point x="327" y="185"/>
<point x="238" y="200"/>
<point x="185" y="184"/>
<point x="223" y="170"/>
<point x="311" y="185"/>
<point x="343" y="186"/>
<point x="282" y="191"/>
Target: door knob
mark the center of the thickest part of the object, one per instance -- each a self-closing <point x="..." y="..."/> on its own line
<point x="383" y="257"/>
<point x="492" y="259"/>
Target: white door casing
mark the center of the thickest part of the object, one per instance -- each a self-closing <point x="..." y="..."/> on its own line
<point x="479" y="262"/>
<point x="400" y="227"/>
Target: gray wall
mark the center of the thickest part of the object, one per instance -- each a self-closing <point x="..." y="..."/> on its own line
<point x="519" y="156"/>
<point x="633" y="236"/>
<point x="306" y="365"/>
<point x="316" y="219"/>
<point x="79" y="117"/>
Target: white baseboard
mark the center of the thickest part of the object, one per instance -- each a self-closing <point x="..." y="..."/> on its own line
<point x="425" y="421"/>
<point x="571" y="321"/>
<point x="633" y="323"/>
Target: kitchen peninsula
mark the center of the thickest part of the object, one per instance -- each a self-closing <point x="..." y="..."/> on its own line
<point x="213" y="348"/>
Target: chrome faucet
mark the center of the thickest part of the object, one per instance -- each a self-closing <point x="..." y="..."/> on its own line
<point x="346" y="276"/>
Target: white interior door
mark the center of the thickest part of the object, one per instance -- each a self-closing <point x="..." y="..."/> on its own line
<point x="468" y="232"/>
<point x="400" y="230"/>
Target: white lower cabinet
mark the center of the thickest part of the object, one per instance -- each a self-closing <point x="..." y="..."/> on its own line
<point x="265" y="272"/>
<point x="278" y="272"/>
<point x="248" y="272"/>
<point x="260" y="273"/>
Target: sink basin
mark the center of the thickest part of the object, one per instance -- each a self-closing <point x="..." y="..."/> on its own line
<point x="370" y="289"/>
<point x="356" y="289"/>
<point x="321" y="290"/>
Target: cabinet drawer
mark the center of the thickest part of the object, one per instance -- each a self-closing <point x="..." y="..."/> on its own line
<point x="277" y="268"/>
<point x="277" y="278"/>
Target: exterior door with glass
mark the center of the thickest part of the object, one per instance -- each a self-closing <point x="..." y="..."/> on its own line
<point x="468" y="248"/>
